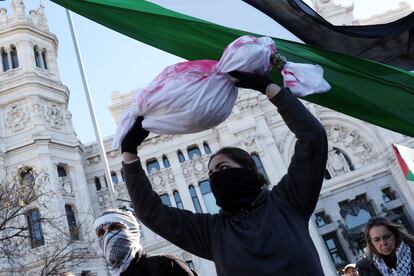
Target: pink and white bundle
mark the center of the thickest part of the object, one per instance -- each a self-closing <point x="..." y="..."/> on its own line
<point x="193" y="96"/>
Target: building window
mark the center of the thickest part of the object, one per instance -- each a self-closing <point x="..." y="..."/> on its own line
<point x="14" y="58"/>
<point x="26" y="176"/>
<point x="98" y="185"/>
<point x="356" y="212"/>
<point x="61" y="171"/>
<point x="181" y="157"/>
<point x="5" y="60"/>
<point x="335" y="249"/>
<point x="388" y="195"/>
<point x="190" y="264"/>
<point x="322" y="219"/>
<point x="44" y="59"/>
<point x="114" y="177"/>
<point x="86" y="273"/>
<point x="206" y="147"/>
<point x="194" y="197"/>
<point x="165" y="162"/>
<point x="165" y="198"/>
<point x="37" y="57"/>
<point x="35" y="228"/>
<point x="193" y="151"/>
<point x="152" y="164"/>
<point x="259" y="165"/>
<point x="40" y="57"/>
<point x="398" y="216"/>
<point x="208" y="197"/>
<point x="178" y="201"/>
<point x="70" y="216"/>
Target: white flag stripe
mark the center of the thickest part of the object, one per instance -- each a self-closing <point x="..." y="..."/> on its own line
<point x="408" y="155"/>
<point x="234" y="14"/>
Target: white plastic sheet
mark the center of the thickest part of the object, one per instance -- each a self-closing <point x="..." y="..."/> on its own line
<point x="197" y="95"/>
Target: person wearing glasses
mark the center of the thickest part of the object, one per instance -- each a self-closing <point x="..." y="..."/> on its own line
<point x="389" y="250"/>
<point x="119" y="238"/>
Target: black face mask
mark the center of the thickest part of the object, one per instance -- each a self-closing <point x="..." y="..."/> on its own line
<point x="235" y="188"/>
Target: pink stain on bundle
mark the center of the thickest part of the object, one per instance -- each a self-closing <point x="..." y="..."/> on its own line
<point x="203" y="67"/>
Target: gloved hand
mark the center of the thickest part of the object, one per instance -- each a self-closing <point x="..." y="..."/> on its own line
<point x="278" y="61"/>
<point x="252" y="81"/>
<point x="134" y="137"/>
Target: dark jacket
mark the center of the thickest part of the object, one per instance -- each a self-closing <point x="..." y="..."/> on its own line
<point x="367" y="268"/>
<point x="270" y="239"/>
<point x="158" y="265"/>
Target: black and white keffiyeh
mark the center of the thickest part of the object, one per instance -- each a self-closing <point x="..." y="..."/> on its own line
<point x="119" y="246"/>
<point x="403" y="262"/>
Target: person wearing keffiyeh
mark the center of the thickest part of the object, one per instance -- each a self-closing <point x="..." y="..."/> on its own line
<point x="389" y="250"/>
<point x="119" y="238"/>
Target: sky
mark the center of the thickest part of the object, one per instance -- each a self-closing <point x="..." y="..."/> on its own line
<point x="114" y="62"/>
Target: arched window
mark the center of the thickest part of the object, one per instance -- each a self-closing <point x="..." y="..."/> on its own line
<point x="259" y="165"/>
<point x="5" y="60"/>
<point x="61" y="171"/>
<point x="44" y="59"/>
<point x="152" y="164"/>
<point x="165" y="162"/>
<point x="114" y="177"/>
<point x="98" y="185"/>
<point x="206" y="147"/>
<point x="208" y="197"/>
<point x="165" y="198"/>
<point x="40" y="57"/>
<point x="14" y="58"/>
<point x="178" y="201"/>
<point x="37" y="57"/>
<point x="194" y="197"/>
<point x="181" y="157"/>
<point x="193" y="151"/>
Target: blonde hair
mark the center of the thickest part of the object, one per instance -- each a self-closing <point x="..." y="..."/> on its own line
<point x="399" y="232"/>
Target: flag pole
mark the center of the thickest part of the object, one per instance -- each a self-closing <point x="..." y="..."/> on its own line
<point x="112" y="192"/>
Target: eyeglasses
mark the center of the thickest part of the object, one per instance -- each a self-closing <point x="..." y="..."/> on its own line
<point x="385" y="237"/>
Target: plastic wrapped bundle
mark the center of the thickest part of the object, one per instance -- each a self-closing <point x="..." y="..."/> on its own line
<point x="193" y="96"/>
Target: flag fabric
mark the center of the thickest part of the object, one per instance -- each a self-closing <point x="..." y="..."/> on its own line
<point x="367" y="90"/>
<point x="405" y="156"/>
<point x="391" y="43"/>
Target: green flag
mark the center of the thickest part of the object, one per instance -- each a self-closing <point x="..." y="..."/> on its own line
<point x="367" y="90"/>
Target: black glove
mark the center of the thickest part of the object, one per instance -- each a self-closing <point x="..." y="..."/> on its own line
<point x="252" y="81"/>
<point x="134" y="137"/>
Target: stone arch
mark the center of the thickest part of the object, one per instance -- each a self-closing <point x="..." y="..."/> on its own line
<point x="353" y="138"/>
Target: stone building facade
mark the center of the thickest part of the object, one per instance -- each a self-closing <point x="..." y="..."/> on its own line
<point x="362" y="178"/>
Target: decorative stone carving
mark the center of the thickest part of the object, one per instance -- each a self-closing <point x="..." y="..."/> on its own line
<point x="3" y="16"/>
<point x="18" y="7"/>
<point x="66" y="185"/>
<point x="156" y="178"/>
<point x="54" y="116"/>
<point x="352" y="141"/>
<point x="16" y="118"/>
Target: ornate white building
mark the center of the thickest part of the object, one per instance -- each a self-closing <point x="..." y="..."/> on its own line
<point x="362" y="179"/>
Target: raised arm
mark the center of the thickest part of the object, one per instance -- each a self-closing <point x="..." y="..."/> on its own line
<point x="183" y="228"/>
<point x="302" y="183"/>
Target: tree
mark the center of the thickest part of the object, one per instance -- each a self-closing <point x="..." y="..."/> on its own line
<point x="26" y="222"/>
